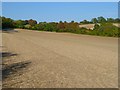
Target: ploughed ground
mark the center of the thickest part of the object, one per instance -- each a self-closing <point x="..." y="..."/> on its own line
<point x="59" y="60"/>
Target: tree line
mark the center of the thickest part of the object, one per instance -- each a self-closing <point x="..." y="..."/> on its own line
<point x="103" y="27"/>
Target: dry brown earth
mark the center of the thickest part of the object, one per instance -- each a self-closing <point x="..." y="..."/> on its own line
<point x="61" y="60"/>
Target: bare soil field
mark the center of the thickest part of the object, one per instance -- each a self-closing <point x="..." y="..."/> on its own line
<point x="88" y="26"/>
<point x="59" y="60"/>
<point x="91" y="26"/>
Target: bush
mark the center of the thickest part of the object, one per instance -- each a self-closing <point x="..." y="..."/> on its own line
<point x="106" y="28"/>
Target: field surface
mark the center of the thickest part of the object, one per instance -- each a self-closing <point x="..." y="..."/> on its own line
<point x="59" y="60"/>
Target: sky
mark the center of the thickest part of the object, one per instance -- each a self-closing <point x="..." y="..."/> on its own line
<point x="59" y="11"/>
<point x="60" y="0"/>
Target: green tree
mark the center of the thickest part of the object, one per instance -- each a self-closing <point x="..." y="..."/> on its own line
<point x="32" y="22"/>
<point x="27" y="26"/>
<point x="85" y="22"/>
<point x="19" y="23"/>
<point x="49" y="26"/>
<point x="60" y="22"/>
<point x="117" y="20"/>
<point x="96" y="27"/>
<point x="110" y="20"/>
<point x="101" y="19"/>
<point x="72" y="21"/>
<point x="94" y="20"/>
<point x="7" y="23"/>
<point x="65" y="21"/>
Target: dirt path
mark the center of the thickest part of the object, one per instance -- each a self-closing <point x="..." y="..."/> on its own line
<point x="61" y="60"/>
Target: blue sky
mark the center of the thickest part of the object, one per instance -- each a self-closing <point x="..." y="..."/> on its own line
<point x="65" y="11"/>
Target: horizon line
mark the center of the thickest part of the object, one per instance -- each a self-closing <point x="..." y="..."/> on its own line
<point x="60" y="20"/>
